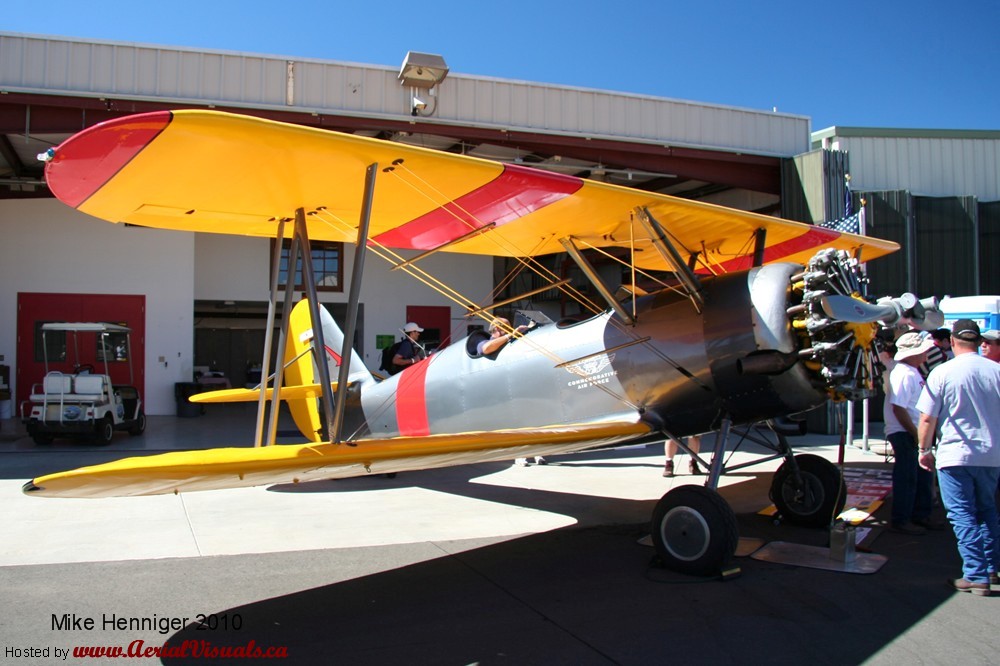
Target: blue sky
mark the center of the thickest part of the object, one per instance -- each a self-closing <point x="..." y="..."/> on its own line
<point x="882" y="63"/>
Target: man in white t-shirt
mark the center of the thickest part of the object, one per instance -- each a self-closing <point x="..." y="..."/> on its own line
<point x="912" y="487"/>
<point x="961" y="401"/>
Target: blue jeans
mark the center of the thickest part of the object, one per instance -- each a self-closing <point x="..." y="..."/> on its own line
<point x="969" y="495"/>
<point x="912" y="486"/>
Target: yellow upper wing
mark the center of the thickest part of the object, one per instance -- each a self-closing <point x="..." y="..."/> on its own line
<point x="216" y="172"/>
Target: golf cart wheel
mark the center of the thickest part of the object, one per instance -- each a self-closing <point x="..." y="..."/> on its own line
<point x="815" y="497"/>
<point x="139" y="426"/>
<point x="104" y="431"/>
<point x="694" y="531"/>
<point x="41" y="439"/>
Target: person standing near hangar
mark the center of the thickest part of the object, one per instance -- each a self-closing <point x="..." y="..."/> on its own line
<point x="960" y="401"/>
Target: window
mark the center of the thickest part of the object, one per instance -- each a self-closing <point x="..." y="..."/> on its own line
<point x="328" y="267"/>
<point x="54" y="340"/>
<point x="112" y="347"/>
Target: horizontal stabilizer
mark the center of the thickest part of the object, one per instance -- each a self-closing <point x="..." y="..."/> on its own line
<point x="253" y="395"/>
<point x="214" y="469"/>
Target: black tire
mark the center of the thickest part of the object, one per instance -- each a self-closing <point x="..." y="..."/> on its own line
<point x="104" y="431"/>
<point x="694" y="531"/>
<point x="139" y="426"/>
<point x="817" y="499"/>
<point x="42" y="440"/>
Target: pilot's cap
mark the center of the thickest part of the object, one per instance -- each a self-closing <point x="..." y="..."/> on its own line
<point x="410" y="327"/>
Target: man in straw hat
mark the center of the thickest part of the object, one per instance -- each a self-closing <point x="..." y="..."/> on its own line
<point x="912" y="487"/>
<point x="960" y="402"/>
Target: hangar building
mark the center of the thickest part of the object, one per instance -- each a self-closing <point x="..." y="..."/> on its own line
<point x="198" y="300"/>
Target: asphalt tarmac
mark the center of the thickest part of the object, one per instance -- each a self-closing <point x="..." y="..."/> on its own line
<point x="482" y="564"/>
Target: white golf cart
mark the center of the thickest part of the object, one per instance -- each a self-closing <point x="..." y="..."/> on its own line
<point x="84" y="403"/>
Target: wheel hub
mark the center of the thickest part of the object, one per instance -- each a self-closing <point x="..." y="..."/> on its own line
<point x="685" y="533"/>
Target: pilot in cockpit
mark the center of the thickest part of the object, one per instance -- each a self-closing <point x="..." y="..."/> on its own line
<point x="499" y="336"/>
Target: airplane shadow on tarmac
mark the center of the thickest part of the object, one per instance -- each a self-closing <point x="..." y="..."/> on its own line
<point x="593" y="595"/>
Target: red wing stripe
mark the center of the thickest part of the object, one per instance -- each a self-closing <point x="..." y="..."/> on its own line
<point x="411" y="400"/>
<point x="86" y="161"/>
<point x="515" y="193"/>
<point x="815" y="237"/>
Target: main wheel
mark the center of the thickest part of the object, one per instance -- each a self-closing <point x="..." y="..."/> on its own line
<point x="104" y="431"/>
<point x="694" y="531"/>
<point x="815" y="498"/>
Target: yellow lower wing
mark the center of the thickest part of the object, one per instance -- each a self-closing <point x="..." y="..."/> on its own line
<point x="214" y="469"/>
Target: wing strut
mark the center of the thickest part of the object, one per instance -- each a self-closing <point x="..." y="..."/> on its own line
<point x="337" y="423"/>
<point x="265" y="366"/>
<point x="279" y="371"/>
<point x="595" y="279"/>
<point x="759" y="245"/>
<point x="670" y="254"/>
<point x="318" y="341"/>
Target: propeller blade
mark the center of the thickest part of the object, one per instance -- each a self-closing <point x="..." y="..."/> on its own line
<point x="922" y="315"/>
<point x="845" y="308"/>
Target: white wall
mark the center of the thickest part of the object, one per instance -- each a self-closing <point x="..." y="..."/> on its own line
<point x="47" y="247"/>
<point x="232" y="268"/>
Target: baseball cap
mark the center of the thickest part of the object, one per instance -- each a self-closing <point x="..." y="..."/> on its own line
<point x="941" y="334"/>
<point x="411" y="326"/>
<point x="965" y="329"/>
<point x="911" y="344"/>
<point x="992" y="335"/>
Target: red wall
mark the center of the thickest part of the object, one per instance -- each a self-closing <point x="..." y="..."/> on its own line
<point x="113" y="308"/>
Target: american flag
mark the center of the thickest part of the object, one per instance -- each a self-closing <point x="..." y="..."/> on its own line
<point x="847" y="225"/>
<point x="850" y="223"/>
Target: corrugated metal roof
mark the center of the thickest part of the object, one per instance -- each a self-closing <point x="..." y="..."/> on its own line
<point x="56" y="65"/>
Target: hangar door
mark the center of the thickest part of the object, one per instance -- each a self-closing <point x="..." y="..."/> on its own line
<point x="35" y="309"/>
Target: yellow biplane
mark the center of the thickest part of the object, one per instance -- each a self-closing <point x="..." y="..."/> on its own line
<point x="755" y="317"/>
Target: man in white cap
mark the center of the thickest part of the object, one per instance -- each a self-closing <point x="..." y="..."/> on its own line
<point x="409" y="351"/>
<point x="912" y="487"/>
<point x="960" y="403"/>
<point x="990" y="346"/>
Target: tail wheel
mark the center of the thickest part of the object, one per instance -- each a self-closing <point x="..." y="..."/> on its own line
<point x="812" y="498"/>
<point x="694" y="531"/>
<point x="105" y="430"/>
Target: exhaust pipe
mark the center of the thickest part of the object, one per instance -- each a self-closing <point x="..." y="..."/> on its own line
<point x="769" y="362"/>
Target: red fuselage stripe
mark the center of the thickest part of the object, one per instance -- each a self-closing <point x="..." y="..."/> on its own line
<point x="85" y="162"/>
<point x="411" y="400"/>
<point x="516" y="192"/>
